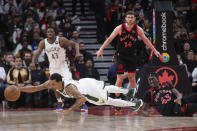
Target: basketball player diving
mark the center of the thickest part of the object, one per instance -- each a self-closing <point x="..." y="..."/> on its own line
<point x="86" y="89"/>
<point x="54" y="48"/>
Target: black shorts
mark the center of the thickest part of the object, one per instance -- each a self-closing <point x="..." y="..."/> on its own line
<point x="126" y="65"/>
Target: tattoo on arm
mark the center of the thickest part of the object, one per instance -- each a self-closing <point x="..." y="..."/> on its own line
<point x="71" y="90"/>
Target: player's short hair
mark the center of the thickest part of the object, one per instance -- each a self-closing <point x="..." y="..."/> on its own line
<point x="50" y="27"/>
<point x="56" y="77"/>
<point x="129" y="13"/>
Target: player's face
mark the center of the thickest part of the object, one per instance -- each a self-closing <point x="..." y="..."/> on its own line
<point x="153" y="81"/>
<point x="50" y="33"/>
<point x="54" y="84"/>
<point x="130" y="19"/>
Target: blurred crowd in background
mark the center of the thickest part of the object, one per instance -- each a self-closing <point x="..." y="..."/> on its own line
<point x="23" y="25"/>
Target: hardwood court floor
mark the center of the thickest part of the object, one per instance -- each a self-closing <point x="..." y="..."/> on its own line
<point x="98" y="119"/>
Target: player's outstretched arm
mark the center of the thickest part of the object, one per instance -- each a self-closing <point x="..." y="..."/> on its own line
<point x="116" y="31"/>
<point x="71" y="90"/>
<point x="38" y="52"/>
<point x="65" y="42"/>
<point x="147" y="41"/>
<point x="31" y="89"/>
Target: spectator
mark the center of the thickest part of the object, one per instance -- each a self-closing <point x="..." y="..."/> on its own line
<point x="111" y="75"/>
<point x="186" y="49"/>
<point x="10" y="5"/>
<point x="35" y="41"/>
<point x="42" y="10"/>
<point x="17" y="28"/>
<point x="194" y="82"/>
<point x="38" y="77"/>
<point x="34" y="45"/>
<point x="54" y="8"/>
<point x="1" y="47"/>
<point x="80" y="65"/>
<point x="75" y="37"/>
<point x="90" y="71"/>
<point x="60" y="33"/>
<point x="68" y="28"/>
<point x="8" y="61"/>
<point x="75" y="72"/>
<point x="178" y="26"/>
<point x="193" y="41"/>
<point x="27" y="58"/>
<point x="2" y="80"/>
<point x="29" y="24"/>
<point x="82" y="49"/>
<point x="24" y="49"/>
<point x="191" y="17"/>
<point x="19" y="76"/>
<point x="190" y="62"/>
<point x="100" y="16"/>
<point x="36" y="29"/>
<point x="182" y="6"/>
<point x="112" y="17"/>
<point x="54" y="25"/>
<point x="24" y="37"/>
<point x="31" y="12"/>
<point x="180" y="59"/>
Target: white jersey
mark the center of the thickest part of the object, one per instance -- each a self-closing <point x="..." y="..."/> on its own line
<point x="57" y="59"/>
<point x="56" y="54"/>
<point x="92" y="89"/>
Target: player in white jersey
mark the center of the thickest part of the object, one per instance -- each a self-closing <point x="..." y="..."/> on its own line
<point x="86" y="89"/>
<point x="54" y="48"/>
<point x="57" y="58"/>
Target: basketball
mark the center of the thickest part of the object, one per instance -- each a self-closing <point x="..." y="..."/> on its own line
<point x="12" y="93"/>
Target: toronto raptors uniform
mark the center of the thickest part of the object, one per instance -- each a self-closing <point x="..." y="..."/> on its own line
<point x="57" y="58"/>
<point x="126" y="49"/>
<point x="162" y="98"/>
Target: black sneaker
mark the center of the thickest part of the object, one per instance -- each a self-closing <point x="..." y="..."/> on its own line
<point x="138" y="103"/>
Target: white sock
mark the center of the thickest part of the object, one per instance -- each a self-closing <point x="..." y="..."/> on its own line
<point x="119" y="102"/>
<point x="115" y="89"/>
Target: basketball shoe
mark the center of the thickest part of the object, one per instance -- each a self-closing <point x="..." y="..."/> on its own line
<point x="60" y="106"/>
<point x="138" y="103"/>
<point x="130" y="94"/>
<point x="84" y="108"/>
